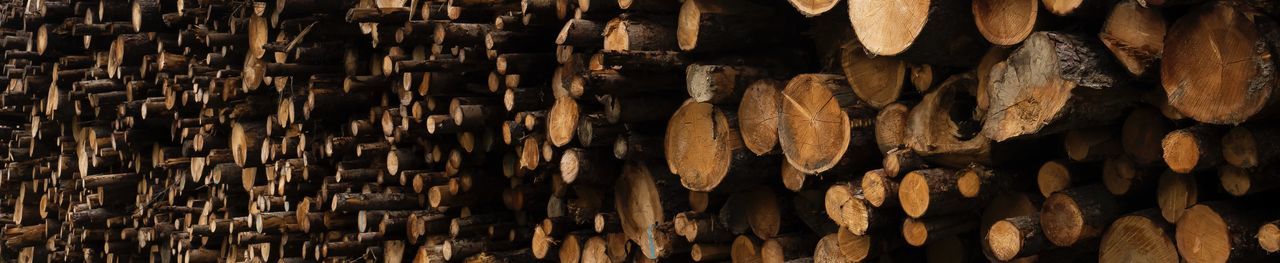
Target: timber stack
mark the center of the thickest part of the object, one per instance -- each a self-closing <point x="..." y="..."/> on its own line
<point x="639" y="130"/>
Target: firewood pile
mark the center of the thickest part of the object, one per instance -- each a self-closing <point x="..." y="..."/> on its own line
<point x="202" y="131"/>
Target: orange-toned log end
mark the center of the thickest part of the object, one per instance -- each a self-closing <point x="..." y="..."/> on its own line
<point x="877" y="80"/>
<point x="1054" y="176"/>
<point x="1203" y="235"/>
<point x="812" y="8"/>
<point x="815" y="129"/>
<point x="969" y="183"/>
<point x="879" y="190"/>
<point x="891" y="126"/>
<point x="1135" y="35"/>
<point x="758" y="115"/>
<point x="1007" y="239"/>
<point x="746" y="249"/>
<point x="913" y="194"/>
<point x="1214" y="73"/>
<point x="1005" y="22"/>
<point x="1269" y="236"/>
<point x="1077" y="214"/>
<point x="1194" y="148"/>
<point x="1140" y="237"/>
<point x="1174" y="193"/>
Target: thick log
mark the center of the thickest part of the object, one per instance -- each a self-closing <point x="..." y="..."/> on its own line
<point x="1224" y="232"/>
<point x="1139" y="236"/>
<point x="718" y="25"/>
<point x="878" y="81"/>
<point x="930" y="32"/>
<point x="704" y="147"/>
<point x="821" y="121"/>
<point x="646" y="196"/>
<point x="1006" y="22"/>
<point x="1078" y="87"/>
<point x="1073" y="215"/>
<point x="1240" y="95"/>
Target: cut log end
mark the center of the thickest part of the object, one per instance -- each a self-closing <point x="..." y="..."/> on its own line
<point x="877" y="80"/>
<point x="888" y="28"/>
<point x="1239" y="148"/>
<point x="1005" y="22"/>
<point x="1062" y="220"/>
<point x="815" y="130"/>
<point x="1217" y="83"/>
<point x="1203" y="235"/>
<point x="879" y="190"/>
<point x="913" y="194"/>
<point x="1269" y="237"/>
<point x="1005" y="240"/>
<point x="1054" y="176"/>
<point x="812" y="8"/>
<point x="1134" y="238"/>
<point x="758" y="116"/>
<point x="1174" y="193"/>
<point x="1135" y="35"/>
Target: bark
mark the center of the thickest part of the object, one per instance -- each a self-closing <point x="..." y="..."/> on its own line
<point x="1074" y="62"/>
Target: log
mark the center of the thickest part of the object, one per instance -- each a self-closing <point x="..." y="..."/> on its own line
<point x="938" y="129"/>
<point x="1138" y="236"/>
<point x="720" y="84"/>
<point x="878" y="81"/>
<point x="929" y="32"/>
<point x="1073" y="215"/>
<point x="1193" y="148"/>
<point x="881" y="191"/>
<point x="758" y="115"/>
<point x="817" y="108"/>
<point x="918" y="232"/>
<point x="1237" y="97"/>
<point x="1059" y="175"/>
<point x="1015" y="237"/>
<point x="717" y="25"/>
<point x="1076" y="62"/>
<point x="1249" y="146"/>
<point x="932" y="192"/>
<point x="1240" y="181"/>
<point x="1142" y="135"/>
<point x="653" y="188"/>
<point x="1135" y="35"/>
<point x="787" y="248"/>
<point x="639" y="33"/>
<point x="1006" y="22"/>
<point x="1092" y="144"/>
<point x="1224" y="231"/>
<point x="854" y="213"/>
<point x="892" y="123"/>
<point x="704" y="147"/>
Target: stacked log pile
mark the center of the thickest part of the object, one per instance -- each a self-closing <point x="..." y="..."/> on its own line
<point x="639" y="130"/>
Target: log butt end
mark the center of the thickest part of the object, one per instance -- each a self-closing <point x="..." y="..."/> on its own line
<point x="1202" y="235"/>
<point x="1005" y="240"/>
<point x="1269" y="237"/>
<point x="1137" y="238"/>
<point x="1062" y="220"/>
